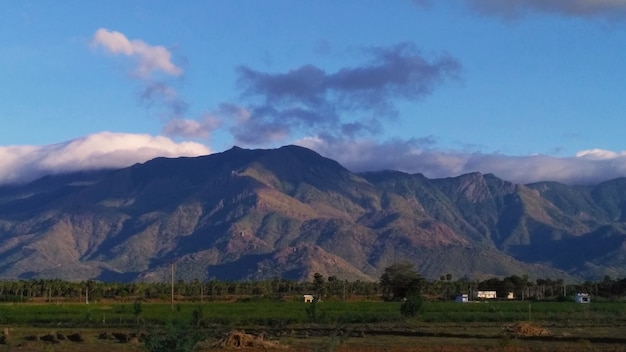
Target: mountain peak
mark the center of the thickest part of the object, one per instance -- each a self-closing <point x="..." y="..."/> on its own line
<point x="290" y="212"/>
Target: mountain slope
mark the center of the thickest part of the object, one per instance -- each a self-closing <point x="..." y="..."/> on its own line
<point x="289" y="212"/>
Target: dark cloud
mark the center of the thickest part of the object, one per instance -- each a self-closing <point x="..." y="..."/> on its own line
<point x="304" y="85"/>
<point x="419" y="156"/>
<point x="311" y="98"/>
<point x="225" y="114"/>
<point x="258" y="133"/>
<point x="323" y="47"/>
<point x="188" y="128"/>
<point x="614" y="10"/>
<point x="398" y="72"/>
<point x="164" y="96"/>
<point x="422" y="3"/>
<point x="606" y="9"/>
<point x="354" y="129"/>
<point x="233" y="112"/>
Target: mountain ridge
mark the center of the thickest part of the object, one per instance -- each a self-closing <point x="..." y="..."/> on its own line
<point x="289" y="212"/>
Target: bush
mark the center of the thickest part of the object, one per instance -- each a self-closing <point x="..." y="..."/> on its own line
<point x="177" y="337"/>
<point x="411" y="306"/>
<point x="196" y="316"/>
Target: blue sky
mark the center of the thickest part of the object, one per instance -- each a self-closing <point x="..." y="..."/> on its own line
<point x="526" y="89"/>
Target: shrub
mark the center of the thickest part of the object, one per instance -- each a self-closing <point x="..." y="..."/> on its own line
<point x="176" y="337"/>
<point x="197" y="316"/>
<point x="411" y="306"/>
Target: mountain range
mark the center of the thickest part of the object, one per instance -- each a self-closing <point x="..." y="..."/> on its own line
<point x="289" y="213"/>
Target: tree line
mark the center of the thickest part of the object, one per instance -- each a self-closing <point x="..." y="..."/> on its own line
<point x="396" y="283"/>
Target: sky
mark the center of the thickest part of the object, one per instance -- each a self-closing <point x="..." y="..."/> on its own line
<point x="529" y="90"/>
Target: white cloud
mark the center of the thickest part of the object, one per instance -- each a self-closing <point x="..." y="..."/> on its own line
<point x="599" y="154"/>
<point x="415" y="156"/>
<point x="156" y="91"/>
<point x="150" y="58"/>
<point x="116" y="150"/>
<point x="101" y="150"/>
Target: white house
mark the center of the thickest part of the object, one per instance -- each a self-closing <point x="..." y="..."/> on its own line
<point x="486" y="295"/>
<point x="462" y="298"/>
<point x="582" y="298"/>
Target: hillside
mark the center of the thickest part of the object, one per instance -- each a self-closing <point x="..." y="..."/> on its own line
<point x="289" y="212"/>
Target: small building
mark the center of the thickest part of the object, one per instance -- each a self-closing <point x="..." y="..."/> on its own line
<point x="309" y="298"/>
<point x="486" y="295"/>
<point x="582" y="298"/>
<point x="463" y="298"/>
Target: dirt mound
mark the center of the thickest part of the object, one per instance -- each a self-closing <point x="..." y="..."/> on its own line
<point x="239" y="339"/>
<point x="75" y="337"/>
<point x="121" y="336"/>
<point x="525" y="329"/>
<point x="50" y="338"/>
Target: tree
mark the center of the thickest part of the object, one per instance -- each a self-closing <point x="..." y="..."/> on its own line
<point x="137" y="310"/>
<point x="318" y="279"/>
<point x="319" y="283"/>
<point x="196" y="316"/>
<point x="400" y="280"/>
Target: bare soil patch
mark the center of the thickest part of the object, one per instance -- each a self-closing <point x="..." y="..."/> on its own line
<point x="525" y="329"/>
<point x="239" y="339"/>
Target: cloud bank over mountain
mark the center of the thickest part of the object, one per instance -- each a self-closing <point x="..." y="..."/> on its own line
<point x="19" y="164"/>
<point x="418" y="156"/>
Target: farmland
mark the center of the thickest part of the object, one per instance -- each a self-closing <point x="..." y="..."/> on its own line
<point x="330" y="325"/>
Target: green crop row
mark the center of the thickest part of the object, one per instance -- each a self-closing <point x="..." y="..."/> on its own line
<point x="261" y="313"/>
<point x="282" y="314"/>
<point x="499" y="311"/>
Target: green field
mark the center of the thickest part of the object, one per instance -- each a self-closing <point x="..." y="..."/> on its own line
<point x="273" y="313"/>
<point x="252" y="313"/>
<point x="332" y="325"/>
